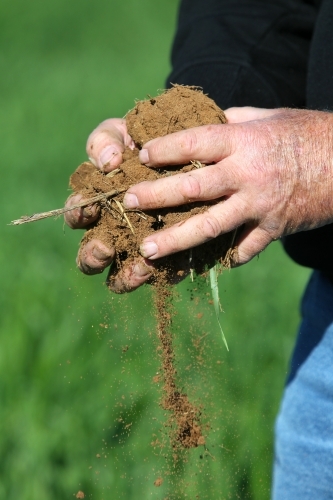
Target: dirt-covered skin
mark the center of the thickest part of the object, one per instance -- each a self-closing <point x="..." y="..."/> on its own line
<point x="113" y="235"/>
<point x="274" y="168"/>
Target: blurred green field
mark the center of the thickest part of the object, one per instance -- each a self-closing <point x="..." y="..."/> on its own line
<point x="79" y="409"/>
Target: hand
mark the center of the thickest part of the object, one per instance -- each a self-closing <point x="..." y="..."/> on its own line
<point x="271" y="172"/>
<point x="105" y="147"/>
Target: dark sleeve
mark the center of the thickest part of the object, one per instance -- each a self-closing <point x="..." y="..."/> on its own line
<point x="245" y="52"/>
<point x="315" y="248"/>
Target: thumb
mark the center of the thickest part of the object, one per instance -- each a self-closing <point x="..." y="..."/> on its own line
<point x="106" y="144"/>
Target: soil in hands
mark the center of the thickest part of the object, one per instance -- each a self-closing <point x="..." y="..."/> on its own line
<point x="176" y="109"/>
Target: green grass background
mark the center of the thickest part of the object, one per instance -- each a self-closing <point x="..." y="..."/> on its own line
<point x="79" y="410"/>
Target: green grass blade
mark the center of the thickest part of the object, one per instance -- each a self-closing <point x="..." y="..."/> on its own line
<point x="216" y="299"/>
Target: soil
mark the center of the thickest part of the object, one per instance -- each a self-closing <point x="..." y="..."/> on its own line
<point x="176" y="109"/>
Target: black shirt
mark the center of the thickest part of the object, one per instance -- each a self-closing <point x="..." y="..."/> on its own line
<point x="269" y="54"/>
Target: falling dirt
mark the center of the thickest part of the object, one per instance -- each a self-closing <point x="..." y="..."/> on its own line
<point x="176" y="109"/>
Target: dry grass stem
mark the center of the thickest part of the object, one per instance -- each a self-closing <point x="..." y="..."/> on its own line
<point x="113" y="173"/>
<point x="197" y="164"/>
<point x="123" y="213"/>
<point x="138" y="212"/>
<point x="115" y="214"/>
<point x="55" y="213"/>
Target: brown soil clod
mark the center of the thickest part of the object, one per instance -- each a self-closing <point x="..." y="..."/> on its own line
<point x="176" y="109"/>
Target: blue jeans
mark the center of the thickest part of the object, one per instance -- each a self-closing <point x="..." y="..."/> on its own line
<point x="303" y="468"/>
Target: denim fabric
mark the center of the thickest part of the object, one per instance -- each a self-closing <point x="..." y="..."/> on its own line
<point x="303" y="466"/>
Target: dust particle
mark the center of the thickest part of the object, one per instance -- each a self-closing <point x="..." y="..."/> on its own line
<point x="158" y="482"/>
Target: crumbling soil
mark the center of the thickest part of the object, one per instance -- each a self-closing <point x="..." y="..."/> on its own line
<point x="176" y="109"/>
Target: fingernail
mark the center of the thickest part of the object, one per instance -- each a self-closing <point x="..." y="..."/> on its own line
<point x="107" y="155"/>
<point x="148" y="249"/>
<point x="144" y="156"/>
<point x="141" y="270"/>
<point x="100" y="254"/>
<point x="130" y="201"/>
<point x="92" y="161"/>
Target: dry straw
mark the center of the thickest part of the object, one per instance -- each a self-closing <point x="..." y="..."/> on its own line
<point x="59" y="211"/>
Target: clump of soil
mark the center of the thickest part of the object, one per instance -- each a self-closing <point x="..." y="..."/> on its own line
<point x="176" y="109"/>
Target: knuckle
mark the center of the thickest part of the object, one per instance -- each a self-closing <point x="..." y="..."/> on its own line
<point x="170" y="243"/>
<point x="211" y="227"/>
<point x="149" y="194"/>
<point x="188" y="144"/>
<point x="190" y="188"/>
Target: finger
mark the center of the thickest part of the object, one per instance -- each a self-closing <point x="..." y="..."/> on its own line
<point x="208" y="144"/>
<point x="218" y="219"/>
<point x="94" y="257"/>
<point x="250" y="243"/>
<point x="81" y="217"/>
<point x="107" y="142"/>
<point x="248" y="113"/>
<point x="129" y="278"/>
<point x="208" y="183"/>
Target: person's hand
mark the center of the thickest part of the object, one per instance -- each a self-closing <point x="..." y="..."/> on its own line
<point x="105" y="146"/>
<point x="270" y="170"/>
